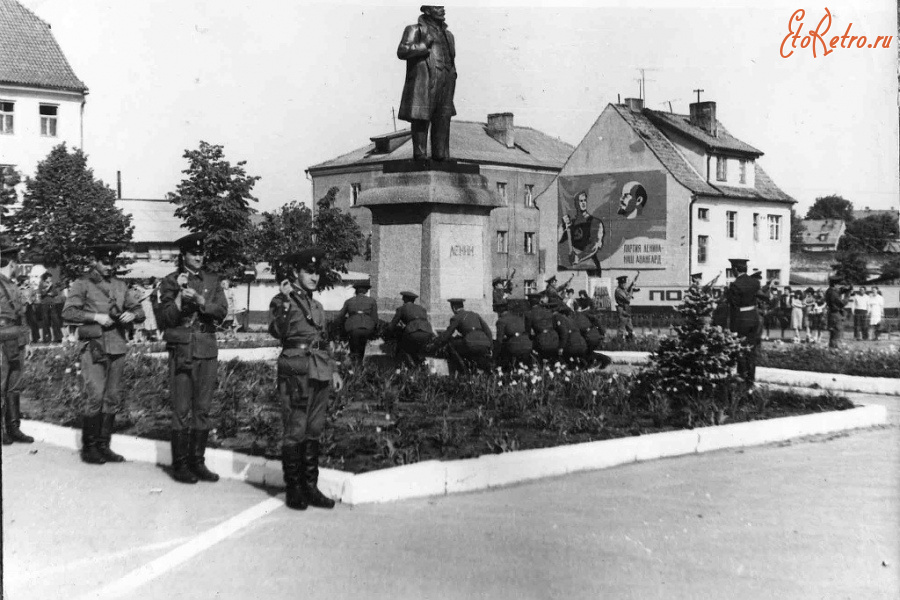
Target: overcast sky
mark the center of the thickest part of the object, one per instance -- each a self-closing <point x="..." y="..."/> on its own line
<point x="285" y="85"/>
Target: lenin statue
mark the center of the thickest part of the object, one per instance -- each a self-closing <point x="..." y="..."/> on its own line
<point x="429" y="51"/>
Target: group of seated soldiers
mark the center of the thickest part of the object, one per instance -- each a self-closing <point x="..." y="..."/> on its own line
<point x="548" y="331"/>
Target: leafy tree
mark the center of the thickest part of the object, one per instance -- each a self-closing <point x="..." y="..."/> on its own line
<point x="851" y="267"/>
<point x="831" y="207"/>
<point x="871" y="233"/>
<point x="294" y="227"/>
<point x="797" y="228"/>
<point x="65" y="210"/>
<point x="215" y="198"/>
<point x="286" y="230"/>
<point x="9" y="179"/>
<point x="891" y="269"/>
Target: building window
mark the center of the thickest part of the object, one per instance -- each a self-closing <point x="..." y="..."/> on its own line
<point x="721" y="168"/>
<point x="355" y="189"/>
<point x="501" y="191"/>
<point x="774" y="227"/>
<point x="529" y="242"/>
<point x="773" y="275"/>
<point x="743" y="171"/>
<point x="6" y="117"/>
<point x="729" y="273"/>
<point x="702" y="248"/>
<point x="755" y="227"/>
<point x="731" y="224"/>
<point x="530" y="287"/>
<point x="48" y="120"/>
<point x="703" y="214"/>
<point x="529" y="195"/>
<point x="502" y="245"/>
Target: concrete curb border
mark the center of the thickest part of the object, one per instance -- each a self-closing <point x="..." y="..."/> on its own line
<point x="437" y="478"/>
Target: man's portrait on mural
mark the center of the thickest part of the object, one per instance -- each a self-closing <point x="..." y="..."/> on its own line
<point x="605" y="216"/>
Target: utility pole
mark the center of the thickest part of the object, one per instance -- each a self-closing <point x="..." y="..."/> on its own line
<point x="394" y="118"/>
<point x="669" y="102"/>
<point x="698" y="94"/>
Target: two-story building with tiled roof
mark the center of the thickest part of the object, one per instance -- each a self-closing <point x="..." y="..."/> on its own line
<point x="664" y="195"/>
<point x="821" y="235"/>
<point x="518" y="162"/>
<point x="41" y="98"/>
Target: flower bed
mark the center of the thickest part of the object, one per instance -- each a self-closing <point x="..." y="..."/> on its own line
<point x="872" y="362"/>
<point x="388" y="417"/>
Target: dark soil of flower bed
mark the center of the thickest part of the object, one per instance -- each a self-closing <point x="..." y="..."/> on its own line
<point x="387" y="417"/>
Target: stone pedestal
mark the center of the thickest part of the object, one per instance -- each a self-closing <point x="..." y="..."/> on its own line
<point x="432" y="236"/>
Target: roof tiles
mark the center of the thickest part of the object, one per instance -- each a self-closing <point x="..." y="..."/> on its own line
<point x="29" y="54"/>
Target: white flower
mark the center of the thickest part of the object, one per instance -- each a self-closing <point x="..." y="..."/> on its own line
<point x="594" y="393"/>
<point x="378" y="430"/>
<point x="68" y="370"/>
<point x="387" y="417"/>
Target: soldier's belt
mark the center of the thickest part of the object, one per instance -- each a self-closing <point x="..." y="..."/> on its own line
<point x="746" y="308"/>
<point x="292" y="345"/>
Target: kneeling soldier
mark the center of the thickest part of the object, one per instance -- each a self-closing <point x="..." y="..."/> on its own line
<point x="513" y="346"/>
<point x="306" y="374"/>
<point x="359" y="317"/>
<point x="412" y="329"/>
<point x="539" y="325"/>
<point x="474" y="343"/>
<point x="571" y="344"/>
<point x="192" y="305"/>
<point x="101" y="305"/>
<point x="14" y="336"/>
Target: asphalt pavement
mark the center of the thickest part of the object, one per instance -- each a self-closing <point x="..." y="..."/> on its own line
<point x="812" y="518"/>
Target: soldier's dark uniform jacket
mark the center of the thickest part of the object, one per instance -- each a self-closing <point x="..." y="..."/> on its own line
<point x="12" y="318"/>
<point x="14" y="336"/>
<point x="570" y="338"/>
<point x="185" y="323"/>
<point x="512" y="336"/>
<point x="590" y="328"/>
<point x="92" y="294"/>
<point x="359" y="312"/>
<point x="411" y="320"/>
<point x="742" y="296"/>
<point x="539" y="322"/>
<point x="297" y="321"/>
<point x="623" y="302"/>
<point x="834" y="301"/>
<point x="475" y="332"/>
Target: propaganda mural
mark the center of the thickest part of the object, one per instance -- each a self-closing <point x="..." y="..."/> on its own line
<point x="612" y="221"/>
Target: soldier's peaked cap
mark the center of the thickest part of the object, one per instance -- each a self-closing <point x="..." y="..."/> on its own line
<point x="497" y="280"/>
<point x="552" y="278"/>
<point x="835" y="279"/>
<point x="738" y="263"/>
<point x="306" y="258"/>
<point x="410" y="295"/>
<point x="696" y="275"/>
<point x="101" y="251"/>
<point x="193" y="243"/>
<point x="456" y="301"/>
<point x="362" y="285"/>
<point x="622" y="278"/>
<point x="756" y="273"/>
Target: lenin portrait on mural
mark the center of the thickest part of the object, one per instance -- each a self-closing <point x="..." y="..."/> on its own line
<point x="429" y="51"/>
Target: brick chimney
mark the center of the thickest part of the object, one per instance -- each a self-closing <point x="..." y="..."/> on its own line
<point x="634" y="104"/>
<point x="500" y="127"/>
<point x="703" y="115"/>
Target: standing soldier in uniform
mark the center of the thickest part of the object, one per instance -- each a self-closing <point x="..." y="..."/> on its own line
<point x="623" y="297"/>
<point x="742" y="296"/>
<point x="192" y="305"/>
<point x="834" y="304"/>
<point x="474" y="343"/>
<point x="512" y="346"/>
<point x="358" y="318"/>
<point x="412" y="329"/>
<point x="102" y="307"/>
<point x="306" y="374"/>
<point x="696" y="279"/>
<point x="539" y="325"/>
<point x="499" y="292"/>
<point x="13" y="340"/>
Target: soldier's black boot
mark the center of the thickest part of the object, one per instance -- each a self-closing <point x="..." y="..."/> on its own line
<point x="90" y="438"/>
<point x="181" y="452"/>
<point x="13" y="419"/>
<point x="107" y="423"/>
<point x="311" y="476"/>
<point x="292" y="467"/>
<point x="197" y="460"/>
